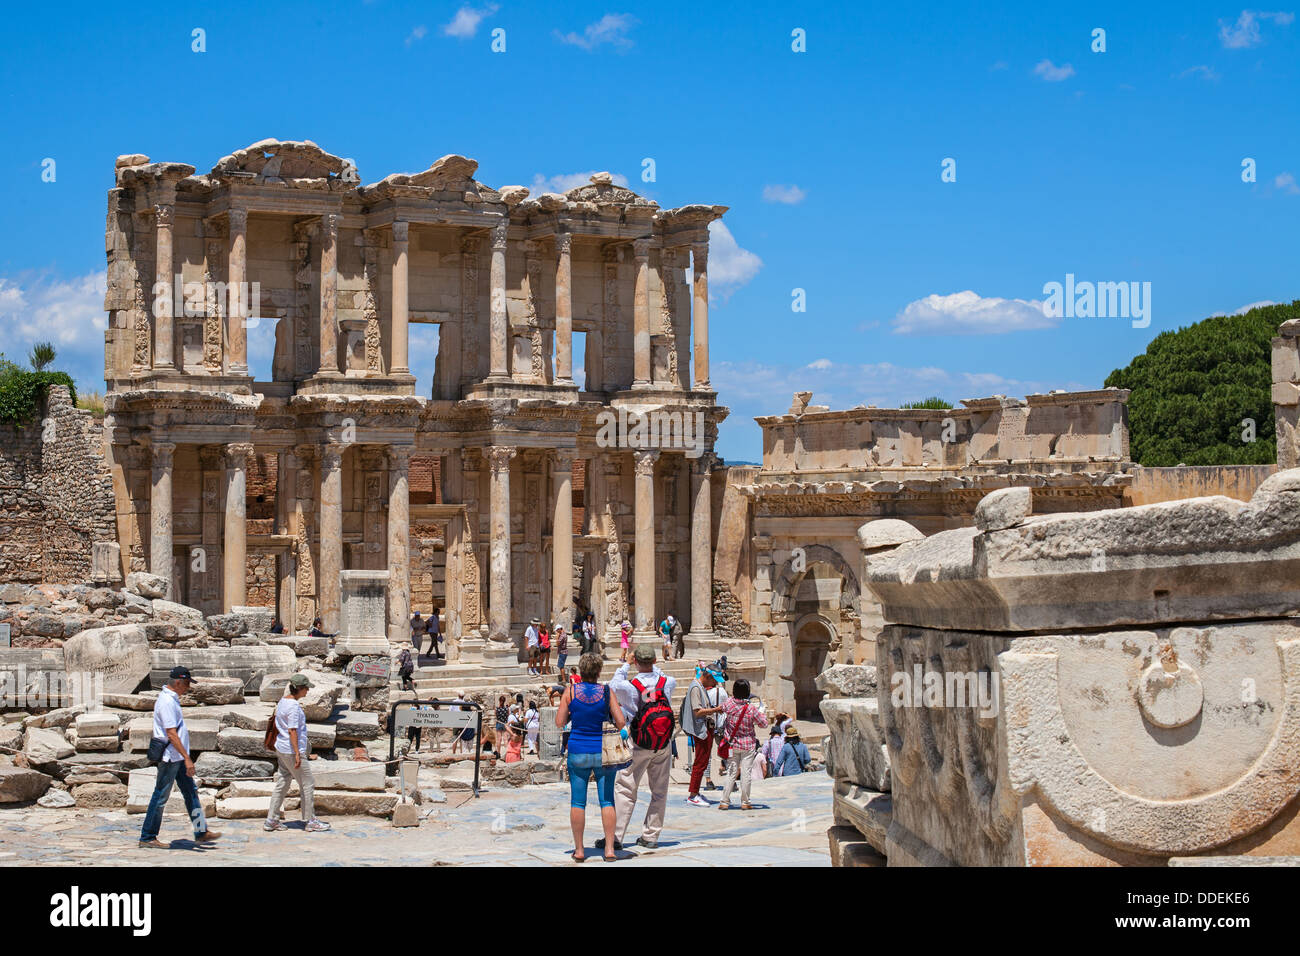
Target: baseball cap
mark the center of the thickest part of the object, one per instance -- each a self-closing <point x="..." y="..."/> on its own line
<point x="644" y="653"/>
<point x="183" y="673"/>
<point x="299" y="680"/>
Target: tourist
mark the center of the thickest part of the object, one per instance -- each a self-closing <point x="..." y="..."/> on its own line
<point x="588" y="705"/>
<point x="317" y="628"/>
<point x="646" y="701"/>
<point x="624" y="635"/>
<point x="533" y="724"/>
<point x="406" y="668"/>
<point x="574" y="677"/>
<point x="291" y="746"/>
<point x="514" y="735"/>
<point x="413" y="735"/>
<point x="666" y="633"/>
<point x="502" y="715"/>
<point x="174" y="763"/>
<point x="543" y="650"/>
<point x="679" y="639"/>
<point x="531" y="639"/>
<point x="466" y="735"/>
<point x="794" y="757"/>
<point x="418" y="628"/>
<point x="772" y="749"/>
<point x="561" y="648"/>
<point x="589" y="634"/>
<point x="742" y="717"/>
<point x="700" y="721"/>
<point x="434" y="628"/>
<point x="276" y="626"/>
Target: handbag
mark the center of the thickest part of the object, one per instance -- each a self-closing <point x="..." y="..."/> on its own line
<point x="614" y="750"/>
<point x="724" y="745"/>
<point x="272" y="733"/>
<point x="157" y="747"/>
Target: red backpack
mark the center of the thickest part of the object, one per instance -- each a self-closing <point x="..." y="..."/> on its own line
<point x="653" y="725"/>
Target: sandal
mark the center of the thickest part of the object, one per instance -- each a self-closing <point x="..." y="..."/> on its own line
<point x="724" y="806"/>
<point x="577" y="859"/>
<point x="611" y="859"/>
<point x="746" y="806"/>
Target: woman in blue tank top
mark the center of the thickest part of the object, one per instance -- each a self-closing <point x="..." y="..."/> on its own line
<point x="589" y="705"/>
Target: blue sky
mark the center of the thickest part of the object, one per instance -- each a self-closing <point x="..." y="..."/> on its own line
<point x="1123" y="165"/>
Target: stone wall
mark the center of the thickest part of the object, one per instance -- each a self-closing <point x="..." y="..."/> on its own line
<point x="1151" y="485"/>
<point x="1115" y="688"/>
<point x="56" y="494"/>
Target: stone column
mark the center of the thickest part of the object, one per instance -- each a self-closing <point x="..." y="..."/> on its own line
<point x="644" y="580"/>
<point x="399" y="544"/>
<point x="234" y="551"/>
<point x="702" y="548"/>
<point x="641" y="373"/>
<point x="286" y="491"/>
<point x="399" y="361"/>
<point x="329" y="286"/>
<point x="700" y="258"/>
<point x="499" y="354"/>
<point x="160" y="515"/>
<point x="164" y="348"/>
<point x="499" y="457"/>
<point x="331" y="537"/>
<point x="562" y="538"/>
<point x="563" y="309"/>
<point x="236" y="276"/>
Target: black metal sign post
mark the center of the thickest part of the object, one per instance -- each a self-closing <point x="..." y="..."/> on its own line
<point x="413" y="716"/>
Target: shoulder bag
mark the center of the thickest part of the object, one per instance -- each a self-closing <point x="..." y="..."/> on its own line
<point x="614" y="750"/>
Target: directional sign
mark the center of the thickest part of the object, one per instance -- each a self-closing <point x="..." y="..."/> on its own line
<point x="435" y="718"/>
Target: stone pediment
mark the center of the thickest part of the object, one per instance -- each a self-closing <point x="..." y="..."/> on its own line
<point x="449" y="174"/>
<point x="603" y="191"/>
<point x="282" y="161"/>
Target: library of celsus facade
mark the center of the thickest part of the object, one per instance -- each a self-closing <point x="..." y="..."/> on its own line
<point x="495" y="497"/>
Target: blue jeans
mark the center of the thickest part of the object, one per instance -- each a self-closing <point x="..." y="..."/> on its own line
<point x="169" y="772"/>
<point x="582" y="767"/>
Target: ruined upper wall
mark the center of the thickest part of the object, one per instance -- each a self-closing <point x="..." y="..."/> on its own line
<point x="1286" y="393"/>
<point x="1057" y="431"/>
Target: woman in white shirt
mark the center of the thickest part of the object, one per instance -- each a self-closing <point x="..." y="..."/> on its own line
<point x="533" y="721"/>
<point x="292" y="752"/>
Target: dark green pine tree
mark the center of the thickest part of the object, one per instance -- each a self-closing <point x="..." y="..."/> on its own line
<point x="1193" y="388"/>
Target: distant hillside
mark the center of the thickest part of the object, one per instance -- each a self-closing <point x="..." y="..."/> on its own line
<point x="1191" y="390"/>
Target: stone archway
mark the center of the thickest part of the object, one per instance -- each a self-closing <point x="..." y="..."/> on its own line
<point x="796" y="568"/>
<point x="814" y="637"/>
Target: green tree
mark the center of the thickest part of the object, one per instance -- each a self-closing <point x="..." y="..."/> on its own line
<point x="42" y="356"/>
<point x="931" y="402"/>
<point x="1193" y="390"/>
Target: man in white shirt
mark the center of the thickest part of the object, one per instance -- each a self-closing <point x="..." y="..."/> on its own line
<point x="175" y="767"/>
<point x="633" y="695"/>
<point x="533" y="640"/>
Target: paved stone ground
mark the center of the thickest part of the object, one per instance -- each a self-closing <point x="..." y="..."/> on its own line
<point x="512" y="827"/>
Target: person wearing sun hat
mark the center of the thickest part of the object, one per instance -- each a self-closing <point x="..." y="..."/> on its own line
<point x="701" y="720"/>
<point x="794" y="757"/>
<point x="292" y="751"/>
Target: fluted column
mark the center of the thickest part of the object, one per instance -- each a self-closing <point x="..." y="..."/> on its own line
<point x="702" y="547"/>
<point x="160" y="515"/>
<point x="234" y="551"/>
<point x="329" y="287"/>
<point x="562" y="534"/>
<point x="641" y="316"/>
<point x="330" y="584"/>
<point x="563" y="309"/>
<point x="400" y="359"/>
<point x="499" y="356"/>
<point x="164" y="349"/>
<point x="700" y="259"/>
<point x="236" y="277"/>
<point x="399" y="543"/>
<point x="499" y="594"/>
<point x="644" y="558"/>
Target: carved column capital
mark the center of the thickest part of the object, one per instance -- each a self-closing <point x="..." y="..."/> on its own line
<point x="500" y="232"/>
<point x="162" y="455"/>
<point x="564" y="458"/>
<point x="645" y="461"/>
<point x="162" y="214"/>
<point x="704" y="465"/>
<point x="401" y="230"/>
<point x="238" y="219"/>
<point x="471" y="245"/>
<point x="641" y="249"/>
<point x="563" y="243"/>
<point x="237" y="453"/>
<point x="499" y="457"/>
<point x="399" y="457"/>
<point x="329" y="224"/>
<point x="700" y="253"/>
<point x="331" y="456"/>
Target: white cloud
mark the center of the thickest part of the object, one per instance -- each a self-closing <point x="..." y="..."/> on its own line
<point x="465" y="23"/>
<point x="1246" y="308"/>
<point x="730" y="266"/>
<point x="417" y="34"/>
<point x="612" y="28"/>
<point x="1204" y="72"/>
<point x="1286" y="183"/>
<point x="563" y="182"/>
<point x="820" y="364"/>
<point x="790" y="195"/>
<point x="1246" y="31"/>
<point x="1053" y="73"/>
<point x="967" y="313"/>
<point x="68" y="313"/>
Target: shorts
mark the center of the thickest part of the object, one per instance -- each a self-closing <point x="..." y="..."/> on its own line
<point x="467" y="734"/>
<point x="582" y="768"/>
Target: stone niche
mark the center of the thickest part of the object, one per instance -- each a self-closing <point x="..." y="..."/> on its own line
<point x="1111" y="688"/>
<point x="363" y="624"/>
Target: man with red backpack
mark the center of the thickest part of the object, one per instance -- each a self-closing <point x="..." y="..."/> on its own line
<point x="646" y="700"/>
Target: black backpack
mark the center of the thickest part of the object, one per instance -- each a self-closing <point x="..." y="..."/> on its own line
<point x="654" y="723"/>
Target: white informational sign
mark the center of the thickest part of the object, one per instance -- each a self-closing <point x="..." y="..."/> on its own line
<point x="435" y="718"/>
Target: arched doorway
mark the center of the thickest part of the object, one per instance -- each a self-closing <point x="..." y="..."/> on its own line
<point x="812" y="645"/>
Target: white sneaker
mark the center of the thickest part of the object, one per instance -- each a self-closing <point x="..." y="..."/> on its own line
<point x="270" y="826"/>
<point x="317" y="826"/>
<point x="698" y="801"/>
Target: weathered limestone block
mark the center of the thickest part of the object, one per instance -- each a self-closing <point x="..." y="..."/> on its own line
<point x="42" y="746"/>
<point x="246" y="717"/>
<point x="302" y="646"/>
<point x="146" y="585"/>
<point x="249" y="664"/>
<point x="257" y="619"/>
<point x="848" y="680"/>
<point x="169" y="612"/>
<point x="58" y="719"/>
<point x="319" y="701"/>
<point x="348" y="774"/>
<point x="20" y="785"/>
<point x="241" y="743"/>
<point x="140" y="784"/>
<point x="354" y="803"/>
<point x="357" y="725"/>
<point x="101" y="744"/>
<point x="850" y="848"/>
<point x="97" y="725"/>
<point x="120" y="654"/>
<point x="855" y="750"/>
<point x="56" y="800"/>
<point x="226" y="625"/>
<point x="250" y="808"/>
<point x="100" y="796"/>
<point x="203" y="735"/>
<point x="217" y="766"/>
<point x="321" y="736"/>
<point x="1004" y="508"/>
<point x="216" y="691"/>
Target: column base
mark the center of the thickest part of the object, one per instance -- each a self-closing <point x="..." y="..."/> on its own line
<point x="358" y="646"/>
<point x="500" y="656"/>
<point x="467" y="650"/>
